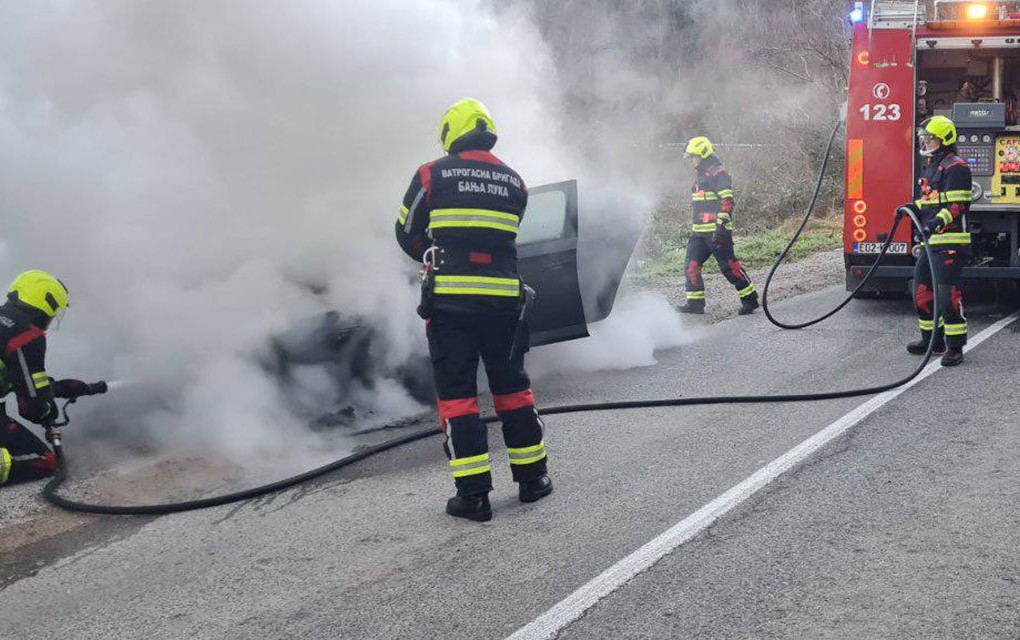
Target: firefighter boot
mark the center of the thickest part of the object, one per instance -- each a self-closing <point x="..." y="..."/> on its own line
<point x="953" y="357"/>
<point x="748" y="304"/>
<point x="5" y="465"/>
<point x="920" y="347"/>
<point x="535" y="489"/>
<point x="692" y="306"/>
<point x="474" y="507"/>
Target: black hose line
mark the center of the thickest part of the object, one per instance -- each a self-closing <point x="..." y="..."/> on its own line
<point x="50" y="491"/>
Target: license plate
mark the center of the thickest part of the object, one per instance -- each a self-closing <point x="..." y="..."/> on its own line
<point x="876" y="247"/>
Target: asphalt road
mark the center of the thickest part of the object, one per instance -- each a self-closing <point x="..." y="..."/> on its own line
<point x="904" y="528"/>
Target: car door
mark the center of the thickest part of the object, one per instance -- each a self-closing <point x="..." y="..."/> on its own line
<point x="547" y="255"/>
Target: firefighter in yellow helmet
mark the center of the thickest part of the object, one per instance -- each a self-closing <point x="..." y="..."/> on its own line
<point x="460" y="217"/>
<point x="34" y="300"/>
<point x="712" y="230"/>
<point x="943" y="199"/>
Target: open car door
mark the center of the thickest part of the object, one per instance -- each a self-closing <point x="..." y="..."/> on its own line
<point x="547" y="260"/>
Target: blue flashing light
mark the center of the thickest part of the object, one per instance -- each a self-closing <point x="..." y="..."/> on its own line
<point x="857" y="14"/>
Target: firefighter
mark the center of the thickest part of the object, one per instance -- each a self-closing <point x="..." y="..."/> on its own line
<point x="943" y="198"/>
<point x="712" y="230"/>
<point x="34" y="300"/>
<point x="460" y="217"/>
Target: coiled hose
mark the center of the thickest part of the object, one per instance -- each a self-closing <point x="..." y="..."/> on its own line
<point x="50" y="491"/>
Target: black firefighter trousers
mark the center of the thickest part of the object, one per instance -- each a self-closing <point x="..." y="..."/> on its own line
<point x="30" y="458"/>
<point x="456" y="343"/>
<point x="948" y="269"/>
<point x="699" y="248"/>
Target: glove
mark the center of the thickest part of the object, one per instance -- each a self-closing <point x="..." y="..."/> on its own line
<point x="71" y="388"/>
<point x="720" y="235"/>
<point x="68" y="388"/>
<point x="933" y="226"/>
<point x="38" y="410"/>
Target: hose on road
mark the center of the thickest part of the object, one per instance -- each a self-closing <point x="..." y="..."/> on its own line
<point x="50" y="490"/>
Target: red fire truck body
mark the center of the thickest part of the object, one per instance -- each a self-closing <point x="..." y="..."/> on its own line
<point x="957" y="58"/>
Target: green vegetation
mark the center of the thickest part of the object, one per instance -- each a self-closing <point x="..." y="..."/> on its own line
<point x="664" y="254"/>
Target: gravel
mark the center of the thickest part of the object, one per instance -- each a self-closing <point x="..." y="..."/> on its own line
<point x="823" y="269"/>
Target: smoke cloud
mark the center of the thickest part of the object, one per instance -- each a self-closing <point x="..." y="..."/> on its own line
<point x="205" y="175"/>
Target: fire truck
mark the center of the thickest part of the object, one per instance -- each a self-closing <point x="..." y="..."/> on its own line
<point x="911" y="60"/>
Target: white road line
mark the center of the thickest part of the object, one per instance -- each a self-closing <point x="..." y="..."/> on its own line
<point x="573" y="606"/>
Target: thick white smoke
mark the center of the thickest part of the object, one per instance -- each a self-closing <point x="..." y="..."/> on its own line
<point x="195" y="170"/>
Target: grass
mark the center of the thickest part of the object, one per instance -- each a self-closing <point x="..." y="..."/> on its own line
<point x="754" y="250"/>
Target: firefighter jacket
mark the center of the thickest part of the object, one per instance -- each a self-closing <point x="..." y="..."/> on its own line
<point x="711" y="198"/>
<point x="22" y="364"/>
<point x="468" y="206"/>
<point x="943" y="194"/>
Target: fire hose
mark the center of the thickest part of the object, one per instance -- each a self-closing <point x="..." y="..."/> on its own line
<point x="50" y="490"/>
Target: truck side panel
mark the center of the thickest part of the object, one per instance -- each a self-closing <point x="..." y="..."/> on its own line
<point x="880" y="129"/>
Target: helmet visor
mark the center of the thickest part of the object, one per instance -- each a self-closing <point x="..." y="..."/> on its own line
<point x="57" y="320"/>
<point x="924" y="136"/>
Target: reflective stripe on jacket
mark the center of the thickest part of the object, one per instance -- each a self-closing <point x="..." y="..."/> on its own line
<point x="943" y="193"/>
<point x="711" y="198"/>
<point x="468" y="205"/>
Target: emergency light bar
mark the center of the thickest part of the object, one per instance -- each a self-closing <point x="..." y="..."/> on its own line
<point x="958" y="14"/>
<point x="857" y="14"/>
<point x="977" y="11"/>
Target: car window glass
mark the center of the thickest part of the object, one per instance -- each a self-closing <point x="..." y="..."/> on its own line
<point x="545" y="218"/>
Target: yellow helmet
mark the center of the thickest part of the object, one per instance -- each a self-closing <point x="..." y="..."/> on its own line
<point x="940" y="127"/>
<point x="700" y="147"/>
<point x="39" y="290"/>
<point x="465" y="116"/>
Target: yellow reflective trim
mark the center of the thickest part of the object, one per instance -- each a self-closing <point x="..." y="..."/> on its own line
<point x="479" y="213"/>
<point x="961" y="195"/>
<point x="531" y="460"/>
<point x="479" y="280"/>
<point x="704" y="228"/>
<point x="956" y="329"/>
<point x="481" y="457"/>
<point x="725" y="217"/>
<point x="472" y="471"/>
<point x="527" y="455"/>
<point x="950" y="238"/>
<point x="537" y="447"/>
<point x="402" y="216"/>
<point x="465" y="291"/>
<point x="725" y="193"/>
<point x="478" y="286"/>
<point x="474" y="219"/>
<point x="470" y="466"/>
<point x="5" y="466"/>
<point x="40" y="375"/>
<point x="472" y="224"/>
<point x="695" y="295"/>
<point x="926" y="325"/>
<point x="945" y="216"/>
<point x="746" y="291"/>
